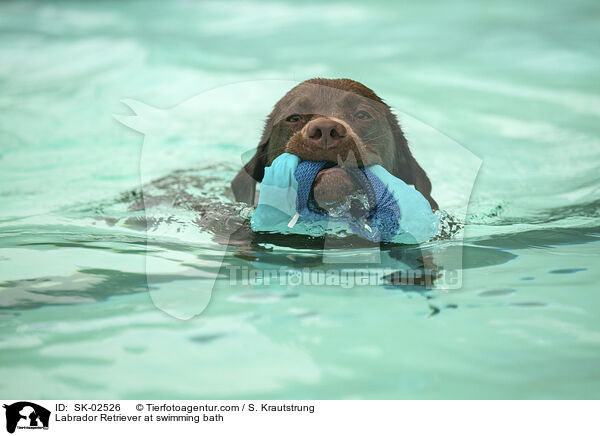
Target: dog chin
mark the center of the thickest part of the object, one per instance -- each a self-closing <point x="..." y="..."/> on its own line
<point x="331" y="187"/>
<point x="336" y="193"/>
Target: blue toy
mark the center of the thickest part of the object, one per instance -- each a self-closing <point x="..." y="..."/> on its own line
<point x="392" y="211"/>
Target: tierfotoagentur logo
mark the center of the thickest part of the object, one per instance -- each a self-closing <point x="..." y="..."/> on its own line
<point x="343" y="278"/>
<point x="198" y="133"/>
<point x="25" y="415"/>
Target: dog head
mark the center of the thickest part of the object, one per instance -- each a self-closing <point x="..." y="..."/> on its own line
<point x="336" y="120"/>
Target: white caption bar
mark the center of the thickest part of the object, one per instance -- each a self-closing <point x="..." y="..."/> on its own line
<point x="150" y="417"/>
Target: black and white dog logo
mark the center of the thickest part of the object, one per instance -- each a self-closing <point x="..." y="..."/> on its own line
<point x="26" y="415"/>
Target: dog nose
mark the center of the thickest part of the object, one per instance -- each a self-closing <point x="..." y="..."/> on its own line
<point x="324" y="132"/>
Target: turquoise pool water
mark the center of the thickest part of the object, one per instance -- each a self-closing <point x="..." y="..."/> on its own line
<point x="515" y="84"/>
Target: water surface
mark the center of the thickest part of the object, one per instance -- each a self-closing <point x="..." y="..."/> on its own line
<point x="514" y="83"/>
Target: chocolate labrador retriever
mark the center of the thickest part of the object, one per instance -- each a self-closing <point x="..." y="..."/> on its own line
<point x="336" y="120"/>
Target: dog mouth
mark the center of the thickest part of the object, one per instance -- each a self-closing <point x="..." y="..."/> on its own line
<point x="329" y="139"/>
<point x="346" y="153"/>
<point x="339" y="187"/>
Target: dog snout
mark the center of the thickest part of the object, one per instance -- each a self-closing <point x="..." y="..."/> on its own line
<point x="324" y="132"/>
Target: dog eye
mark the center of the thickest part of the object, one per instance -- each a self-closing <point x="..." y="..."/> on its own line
<point x="362" y="115"/>
<point x="293" y="118"/>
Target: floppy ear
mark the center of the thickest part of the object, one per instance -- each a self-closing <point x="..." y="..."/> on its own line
<point x="244" y="183"/>
<point x="406" y="167"/>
